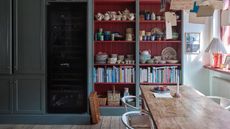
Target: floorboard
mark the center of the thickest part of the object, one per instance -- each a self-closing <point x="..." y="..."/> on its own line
<point x="106" y="122"/>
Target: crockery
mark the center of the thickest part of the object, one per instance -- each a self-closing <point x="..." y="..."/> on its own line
<point x="129" y="56"/>
<point x="99" y="16"/>
<point x="169" y="53"/>
<point x="172" y="61"/>
<point x="121" y="57"/>
<point x="106" y="17"/>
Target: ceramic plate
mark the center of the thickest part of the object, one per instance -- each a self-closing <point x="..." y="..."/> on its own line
<point x="169" y="53"/>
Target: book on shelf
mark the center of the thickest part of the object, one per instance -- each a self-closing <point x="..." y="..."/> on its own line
<point x="159" y="74"/>
<point x="114" y="75"/>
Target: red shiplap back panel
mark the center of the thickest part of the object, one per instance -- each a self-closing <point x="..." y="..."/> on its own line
<point x="103" y="6"/>
<point x="121" y="48"/>
<point x="114" y="27"/>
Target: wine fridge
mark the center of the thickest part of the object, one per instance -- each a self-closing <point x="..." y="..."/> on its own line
<point x="66" y="57"/>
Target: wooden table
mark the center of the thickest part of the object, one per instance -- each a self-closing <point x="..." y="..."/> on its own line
<point x="190" y="111"/>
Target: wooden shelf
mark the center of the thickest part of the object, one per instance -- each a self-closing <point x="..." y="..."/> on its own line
<point x="217" y="69"/>
<point x="102" y="22"/>
<point x="120" y="41"/>
<point x="114" y="64"/>
<point x="146" y="83"/>
<point x="146" y="65"/>
<point x="113" y="1"/>
<point x="155" y="21"/>
<point x="150" y="1"/>
<point x="162" y="41"/>
<point x="107" y="106"/>
<point x="110" y="83"/>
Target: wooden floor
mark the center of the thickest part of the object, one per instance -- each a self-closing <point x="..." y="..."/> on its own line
<point x="107" y="122"/>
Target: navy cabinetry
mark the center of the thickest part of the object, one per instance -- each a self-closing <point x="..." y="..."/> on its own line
<point x="6" y="95"/>
<point x="29" y="95"/>
<point x="5" y="37"/>
<point x="22" y="56"/>
<point x="28" y="35"/>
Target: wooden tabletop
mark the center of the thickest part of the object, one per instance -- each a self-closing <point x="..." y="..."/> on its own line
<point x="190" y="111"/>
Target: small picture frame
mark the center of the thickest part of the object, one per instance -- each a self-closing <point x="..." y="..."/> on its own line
<point x="192" y="42"/>
<point x="227" y="61"/>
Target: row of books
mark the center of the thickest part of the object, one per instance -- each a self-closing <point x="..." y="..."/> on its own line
<point x="160" y="74"/>
<point x="114" y="75"/>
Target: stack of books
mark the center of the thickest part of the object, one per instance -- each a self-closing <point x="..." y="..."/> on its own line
<point x="159" y="74"/>
<point x="114" y="75"/>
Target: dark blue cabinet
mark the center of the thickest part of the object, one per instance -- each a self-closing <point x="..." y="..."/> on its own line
<point x="29" y="95"/>
<point x="28" y="35"/>
<point x="22" y="94"/>
<point x="5" y="37"/>
<point x="23" y="91"/>
<point x="6" y="95"/>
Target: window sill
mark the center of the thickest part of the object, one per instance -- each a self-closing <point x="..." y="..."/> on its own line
<point x="217" y="69"/>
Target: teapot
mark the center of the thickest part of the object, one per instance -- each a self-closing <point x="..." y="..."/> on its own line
<point x="144" y="56"/>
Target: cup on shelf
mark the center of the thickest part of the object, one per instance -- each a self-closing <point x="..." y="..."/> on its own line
<point x="112" y="60"/>
<point x="119" y="17"/>
<point x="124" y="17"/>
<point x="130" y="56"/>
<point x="114" y="55"/>
<point x="121" y="57"/>
<point x="106" y="17"/>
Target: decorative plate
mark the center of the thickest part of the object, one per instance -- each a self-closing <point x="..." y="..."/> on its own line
<point x="169" y="53"/>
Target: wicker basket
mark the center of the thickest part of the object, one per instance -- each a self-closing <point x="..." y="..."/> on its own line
<point x="102" y="100"/>
<point x="113" y="97"/>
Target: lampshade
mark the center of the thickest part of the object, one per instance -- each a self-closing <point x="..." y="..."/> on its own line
<point x="225" y="18"/>
<point x="216" y="46"/>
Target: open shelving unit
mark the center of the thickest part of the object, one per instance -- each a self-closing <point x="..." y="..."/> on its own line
<point x="120" y="47"/>
<point x="123" y="47"/>
<point x="156" y="47"/>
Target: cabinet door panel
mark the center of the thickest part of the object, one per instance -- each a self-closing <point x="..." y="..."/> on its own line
<point x="29" y="94"/>
<point x="5" y="37"/>
<point x="28" y="32"/>
<point x="5" y="96"/>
